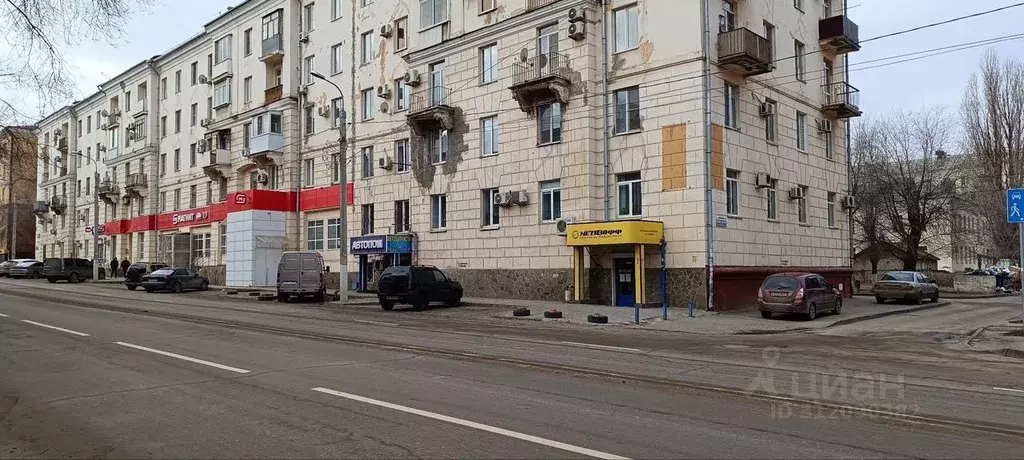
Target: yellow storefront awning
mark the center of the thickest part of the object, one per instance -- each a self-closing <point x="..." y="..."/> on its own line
<point x="614" y="233"/>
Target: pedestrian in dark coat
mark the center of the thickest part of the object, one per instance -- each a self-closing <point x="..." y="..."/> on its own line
<point x="124" y="266"/>
<point x="113" y="267"/>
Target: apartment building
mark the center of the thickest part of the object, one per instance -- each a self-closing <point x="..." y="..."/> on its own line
<point x="17" y="191"/>
<point x="527" y="147"/>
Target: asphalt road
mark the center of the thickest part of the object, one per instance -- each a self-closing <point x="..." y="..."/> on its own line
<point x="80" y="381"/>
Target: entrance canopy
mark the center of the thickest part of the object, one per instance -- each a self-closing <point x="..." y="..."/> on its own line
<point x="634" y="233"/>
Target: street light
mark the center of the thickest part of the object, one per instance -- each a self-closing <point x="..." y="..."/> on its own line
<point x="342" y="192"/>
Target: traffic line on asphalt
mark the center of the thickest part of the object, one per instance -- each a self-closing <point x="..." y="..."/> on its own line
<point x="602" y="347"/>
<point x="470" y="424"/>
<point x="183" y="357"/>
<point x="69" y="331"/>
<point x="1008" y="389"/>
<point x="4" y="316"/>
<point x="378" y="323"/>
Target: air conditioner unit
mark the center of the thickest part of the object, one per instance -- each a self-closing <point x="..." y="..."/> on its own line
<point x="56" y="133"/>
<point x="131" y="135"/>
<point x="385" y="163"/>
<point x="103" y="126"/>
<point x="763" y="180"/>
<point x="507" y="198"/>
<point x="383" y="92"/>
<point x="767" y="109"/>
<point x="412" y="78"/>
<point x="500" y="199"/>
<point x="562" y="225"/>
<point x="577" y="31"/>
<point x="262" y="178"/>
<point x="201" y="145"/>
<point x="303" y="37"/>
<point x="246" y="152"/>
<point x="126" y="200"/>
<point x="520" y="197"/>
<point x="203" y="80"/>
<point x="324" y="111"/>
<point x="386" y="30"/>
<point x="577" y="15"/>
<point x="796" y="193"/>
<point x="204" y="122"/>
<point x="824" y="126"/>
<point x="849" y="202"/>
<point x="303" y="89"/>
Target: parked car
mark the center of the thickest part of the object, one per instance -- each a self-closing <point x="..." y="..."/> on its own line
<point x="33" y="269"/>
<point x="805" y="293"/>
<point x="67" y="269"/>
<point x="904" y="285"/>
<point x="175" y="280"/>
<point x="133" y="279"/>
<point x="417" y="286"/>
<point x="300" y="274"/>
<point x="5" y="267"/>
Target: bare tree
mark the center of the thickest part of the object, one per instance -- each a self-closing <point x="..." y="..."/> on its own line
<point x="868" y="215"/>
<point x="993" y="126"/>
<point x="35" y="35"/>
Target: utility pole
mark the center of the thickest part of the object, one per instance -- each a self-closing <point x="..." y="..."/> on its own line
<point x="95" y="224"/>
<point x="342" y="193"/>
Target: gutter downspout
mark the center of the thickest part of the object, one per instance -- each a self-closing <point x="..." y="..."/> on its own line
<point x="154" y="194"/>
<point x="604" y="120"/>
<point x="299" y="225"/>
<point x="709" y="199"/>
<point x="849" y="163"/>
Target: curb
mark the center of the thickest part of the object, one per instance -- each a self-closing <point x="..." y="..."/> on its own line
<point x="888" y="313"/>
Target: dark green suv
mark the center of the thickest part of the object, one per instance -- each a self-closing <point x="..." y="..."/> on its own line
<point x="67" y="269"/>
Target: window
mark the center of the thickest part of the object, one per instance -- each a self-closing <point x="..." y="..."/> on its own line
<point x="177" y="83"/>
<point x="193" y="114"/>
<point x="369" y="104"/>
<point x="773" y="200"/>
<point x="192" y="155"/>
<point x="433" y="12"/>
<point x="402" y="156"/>
<point x="194" y="73"/>
<point x="310" y="121"/>
<point x="732" y="192"/>
<point x="247" y="42"/>
<point x="630" y="195"/>
<point x="163" y="88"/>
<point x="209" y="107"/>
<point x="78" y="188"/>
<point x="209" y="192"/>
<point x="163" y="164"/>
<point x="337" y="6"/>
<point x="550" y="200"/>
<point x="732" y="100"/>
<point x="831" y="209"/>
<point x="769" y="34"/>
<point x="490" y="207"/>
<point x="177" y="160"/>
<point x="401" y="34"/>
<point x="222" y="93"/>
<point x="830" y="145"/>
<point x="799" y="4"/>
<point x="193" y="196"/>
<point x="368" y="52"/>
<point x="315" y="235"/>
<point x="308" y="169"/>
<point x="272" y="25"/>
<point x="627" y="110"/>
<point x="438" y="212"/>
<point x="308" y="67"/>
<point x="801" y="132"/>
<point x="247" y="90"/>
<point x="727" y="20"/>
<point x="177" y="199"/>
<point x="336" y="109"/>
<point x="437" y="146"/>
<point x="80" y="127"/>
<point x="367" y="156"/>
<point x="307" y="17"/>
<point x="487" y="5"/>
<point x="163" y="201"/>
<point x="222" y="50"/>
<point x="550" y="121"/>
<point x="275" y="123"/>
<point x="177" y="121"/>
<point x="367" y="217"/>
<point x="489" y="135"/>
<point x="402" y="91"/>
<point x="337" y="57"/>
<point x="163" y="126"/>
<point x="799" y="59"/>
<point x="771" y="121"/>
<point x="402" y="223"/>
<point x="333" y="233"/>
<point x="802" y="206"/>
<point x="627" y="31"/>
<point x="489" y="64"/>
<point x="247" y="130"/>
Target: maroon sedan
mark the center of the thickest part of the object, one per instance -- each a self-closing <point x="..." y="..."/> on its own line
<point x="805" y="293"/>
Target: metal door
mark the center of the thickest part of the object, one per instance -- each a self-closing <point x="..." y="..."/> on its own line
<point x="625" y="283"/>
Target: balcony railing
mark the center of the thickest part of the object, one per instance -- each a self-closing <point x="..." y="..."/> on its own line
<point x="136" y="181"/>
<point x="57" y="202"/>
<point x="839" y="34"/>
<point x="272" y="95"/>
<point x="745" y="52"/>
<point x="273" y="45"/>
<point x="841" y="100"/>
<point x="62" y="144"/>
<point x="430" y="98"/>
<point x="41" y="207"/>
<point x="534" y="4"/>
<point x="108" y="188"/>
<point x="542" y="66"/>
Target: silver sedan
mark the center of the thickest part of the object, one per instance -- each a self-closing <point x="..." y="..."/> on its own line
<point x="903" y="285"/>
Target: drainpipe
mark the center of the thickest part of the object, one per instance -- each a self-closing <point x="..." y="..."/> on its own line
<point x="154" y="187"/>
<point x="604" y="119"/>
<point x="302" y="119"/>
<point x="709" y="199"/>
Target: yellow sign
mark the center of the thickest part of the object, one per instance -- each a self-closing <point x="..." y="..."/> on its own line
<point x="619" y="232"/>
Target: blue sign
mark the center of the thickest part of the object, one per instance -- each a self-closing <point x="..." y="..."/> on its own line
<point x="1015" y="205"/>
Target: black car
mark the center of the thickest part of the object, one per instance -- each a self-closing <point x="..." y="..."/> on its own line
<point x="68" y="269"/>
<point x="417" y="286"/>
<point x="133" y="278"/>
<point x="174" y="280"/>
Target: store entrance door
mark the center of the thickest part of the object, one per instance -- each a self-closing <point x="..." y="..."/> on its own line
<point x="625" y="283"/>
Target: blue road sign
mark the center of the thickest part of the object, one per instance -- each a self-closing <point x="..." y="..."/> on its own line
<point x="1015" y="205"/>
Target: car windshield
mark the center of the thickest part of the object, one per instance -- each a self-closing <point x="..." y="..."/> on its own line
<point x="164" y="272"/>
<point x="899" y="276"/>
<point x="780" y="283"/>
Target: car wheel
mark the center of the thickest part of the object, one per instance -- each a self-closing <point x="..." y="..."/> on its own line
<point x="319" y="296"/>
<point x="812" y="312"/>
<point x="766" y="314"/>
<point x="455" y="301"/>
<point x="51" y="280"/>
<point x="73" y="278"/>
<point x="176" y="287"/>
<point x="935" y="297"/>
<point x="839" y="306"/>
<point x="205" y="286"/>
<point x="879" y="299"/>
<point x="282" y="297"/>
<point x="35" y="276"/>
<point x="132" y="287"/>
<point x="919" y="299"/>
<point x="387" y="305"/>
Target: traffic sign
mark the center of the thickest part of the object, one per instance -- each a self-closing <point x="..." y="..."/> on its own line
<point x="1015" y="205"/>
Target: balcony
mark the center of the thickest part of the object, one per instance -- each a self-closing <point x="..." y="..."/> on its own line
<point x="744" y="52"/>
<point x="541" y="78"/>
<point x="431" y="109"/>
<point x="62" y="144"/>
<point x="221" y="70"/>
<point x="267" y="140"/>
<point x="273" y="49"/>
<point x="41" y="207"/>
<point x="113" y="120"/>
<point x="108" y="191"/>
<point x="838" y="34"/>
<point x="534" y="4"/>
<point x="272" y="95"/>
<point x="136" y="183"/>
<point x="218" y="164"/>
<point x="58" y="204"/>
<point x="840" y="100"/>
<point x="143" y="108"/>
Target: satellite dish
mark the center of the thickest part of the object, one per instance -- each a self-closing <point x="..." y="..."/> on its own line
<point x="384" y="107"/>
<point x="524" y="54"/>
<point x="542" y="60"/>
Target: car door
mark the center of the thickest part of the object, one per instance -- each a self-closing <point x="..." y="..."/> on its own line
<point x="442" y="288"/>
<point x="310" y="272"/>
<point x="828" y="293"/>
<point x="813" y="289"/>
<point x="424" y="282"/>
<point x="921" y="285"/>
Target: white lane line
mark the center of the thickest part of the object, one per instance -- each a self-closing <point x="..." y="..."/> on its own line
<point x="378" y="323"/>
<point x="479" y="426"/>
<point x="69" y="331"/>
<point x="601" y="347"/>
<point x="1008" y="389"/>
<point x="182" y="357"/>
<point x="248" y="309"/>
<point x="4" y="316"/>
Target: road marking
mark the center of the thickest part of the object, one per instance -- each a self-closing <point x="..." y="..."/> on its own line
<point x="379" y="323"/>
<point x="69" y="331"/>
<point x="601" y="347"/>
<point x="248" y="309"/>
<point x="479" y="426"/>
<point x="4" y="316"/>
<point x="1008" y="389"/>
<point x="182" y="357"/>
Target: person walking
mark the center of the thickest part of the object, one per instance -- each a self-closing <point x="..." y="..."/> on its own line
<point x="124" y="267"/>
<point x="113" y="267"/>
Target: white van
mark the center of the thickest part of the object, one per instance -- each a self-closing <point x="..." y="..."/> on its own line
<point x="300" y="274"/>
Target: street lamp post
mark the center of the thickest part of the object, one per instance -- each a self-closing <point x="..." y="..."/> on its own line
<point x="342" y="192"/>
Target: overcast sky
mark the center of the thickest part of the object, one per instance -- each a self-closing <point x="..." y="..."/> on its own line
<point x="937" y="80"/>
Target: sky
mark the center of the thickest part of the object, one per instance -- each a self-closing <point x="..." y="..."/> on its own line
<point x="933" y="81"/>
